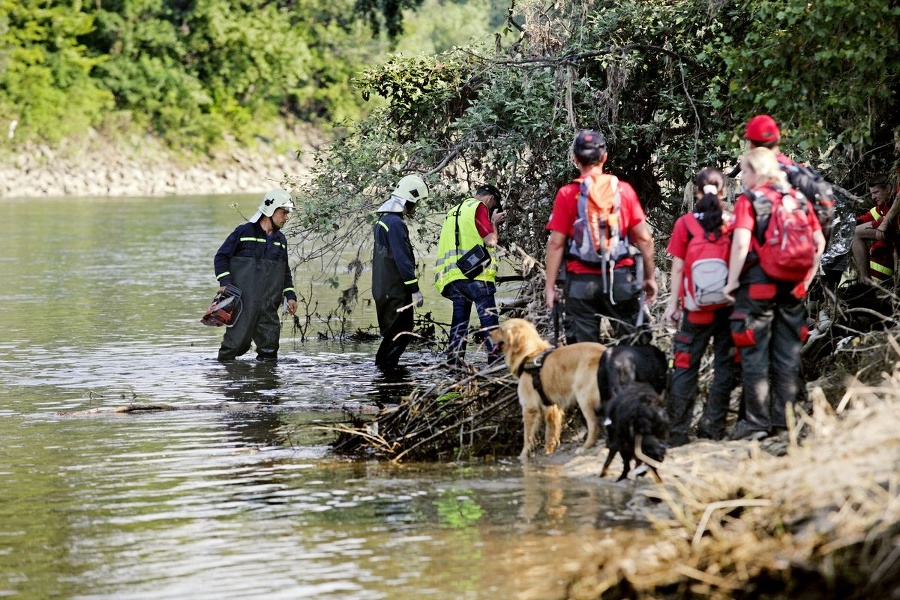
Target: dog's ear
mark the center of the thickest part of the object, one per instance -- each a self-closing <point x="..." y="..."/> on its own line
<point x="513" y="337"/>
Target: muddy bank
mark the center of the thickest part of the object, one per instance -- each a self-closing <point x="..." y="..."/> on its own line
<point x="813" y="514"/>
<point x="144" y="167"/>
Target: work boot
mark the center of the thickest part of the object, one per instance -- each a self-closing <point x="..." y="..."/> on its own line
<point x="744" y="431"/>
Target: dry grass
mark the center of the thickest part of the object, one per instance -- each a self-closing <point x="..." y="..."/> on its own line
<point x="822" y="521"/>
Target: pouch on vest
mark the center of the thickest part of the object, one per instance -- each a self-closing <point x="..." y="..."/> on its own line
<point x="475" y="261"/>
<point x="625" y="284"/>
<point x="628" y="282"/>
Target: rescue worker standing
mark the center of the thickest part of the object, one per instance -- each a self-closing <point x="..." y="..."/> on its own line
<point x="471" y="223"/>
<point x="586" y="299"/>
<point x="697" y="327"/>
<point x="395" y="287"/>
<point x="254" y="258"/>
<point x="768" y="323"/>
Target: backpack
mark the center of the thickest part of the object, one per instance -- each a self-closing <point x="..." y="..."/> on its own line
<point x="817" y="190"/>
<point x="705" y="267"/>
<point x="784" y="237"/>
<point x="597" y="239"/>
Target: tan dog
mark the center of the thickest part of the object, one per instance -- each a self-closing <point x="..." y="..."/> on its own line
<point x="567" y="375"/>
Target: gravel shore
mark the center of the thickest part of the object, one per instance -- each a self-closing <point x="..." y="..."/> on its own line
<point x="144" y="167"/>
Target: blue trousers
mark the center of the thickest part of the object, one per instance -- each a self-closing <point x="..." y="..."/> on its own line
<point x="464" y="293"/>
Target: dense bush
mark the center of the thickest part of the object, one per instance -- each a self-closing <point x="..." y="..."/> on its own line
<point x="46" y="88"/>
<point x="670" y="83"/>
<point x="191" y="71"/>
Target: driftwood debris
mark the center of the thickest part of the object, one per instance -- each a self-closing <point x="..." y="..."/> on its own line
<point x="138" y="407"/>
<point x="475" y="415"/>
<point x="821" y="521"/>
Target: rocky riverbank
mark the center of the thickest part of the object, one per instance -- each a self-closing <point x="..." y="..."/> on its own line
<point x="144" y="167"/>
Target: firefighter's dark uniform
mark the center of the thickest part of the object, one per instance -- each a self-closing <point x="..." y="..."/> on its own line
<point x="393" y="284"/>
<point x="257" y="263"/>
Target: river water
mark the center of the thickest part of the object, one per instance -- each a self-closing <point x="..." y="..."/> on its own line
<point x="99" y="308"/>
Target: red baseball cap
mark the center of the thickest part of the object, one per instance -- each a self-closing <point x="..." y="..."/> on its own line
<point x="762" y="129"/>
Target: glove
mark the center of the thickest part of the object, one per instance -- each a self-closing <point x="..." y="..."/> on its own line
<point x="419" y="299"/>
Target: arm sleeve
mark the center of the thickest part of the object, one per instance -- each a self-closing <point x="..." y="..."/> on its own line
<point x="222" y="261"/>
<point x="401" y="248"/>
<point x="813" y="219"/>
<point x="630" y="208"/>
<point x="679" y="240"/>
<point x="564" y="212"/>
<point x="744" y="218"/>
<point x="289" y="292"/>
<point x="483" y="221"/>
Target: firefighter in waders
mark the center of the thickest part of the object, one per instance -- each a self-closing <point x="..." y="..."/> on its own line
<point x="254" y="258"/>
<point x="395" y="286"/>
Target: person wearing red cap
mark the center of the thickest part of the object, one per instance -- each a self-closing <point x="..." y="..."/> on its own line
<point x="586" y="300"/>
<point x="762" y="132"/>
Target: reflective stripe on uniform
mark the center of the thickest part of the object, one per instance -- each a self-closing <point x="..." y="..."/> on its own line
<point x="875" y="213"/>
<point x="254" y="239"/>
<point x="886" y="271"/>
<point x="223" y="274"/>
<point x="383" y="224"/>
<point x="410" y="282"/>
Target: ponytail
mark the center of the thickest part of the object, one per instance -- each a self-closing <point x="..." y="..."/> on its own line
<point x="709" y="208"/>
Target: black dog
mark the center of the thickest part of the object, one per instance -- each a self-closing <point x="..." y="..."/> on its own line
<point x="636" y="413"/>
<point x="621" y="365"/>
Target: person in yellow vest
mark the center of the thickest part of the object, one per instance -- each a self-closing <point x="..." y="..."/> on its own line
<point x="468" y="224"/>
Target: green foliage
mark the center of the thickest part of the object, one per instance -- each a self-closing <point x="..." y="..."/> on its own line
<point x="193" y="71"/>
<point x="385" y="14"/>
<point x="45" y="82"/>
<point x="197" y="72"/>
<point x="827" y="71"/>
<point x="670" y="83"/>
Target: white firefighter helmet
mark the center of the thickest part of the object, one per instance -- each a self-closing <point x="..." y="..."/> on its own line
<point x="409" y="189"/>
<point x="277" y="198"/>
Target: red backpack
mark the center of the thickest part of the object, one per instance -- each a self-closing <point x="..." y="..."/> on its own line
<point x="784" y="237"/>
<point x="705" y="267"/>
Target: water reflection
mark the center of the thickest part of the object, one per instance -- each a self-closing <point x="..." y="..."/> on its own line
<point x="392" y="385"/>
<point x="249" y="381"/>
<point x="208" y="500"/>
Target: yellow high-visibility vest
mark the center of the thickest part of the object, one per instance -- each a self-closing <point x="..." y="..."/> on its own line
<point x="445" y="269"/>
